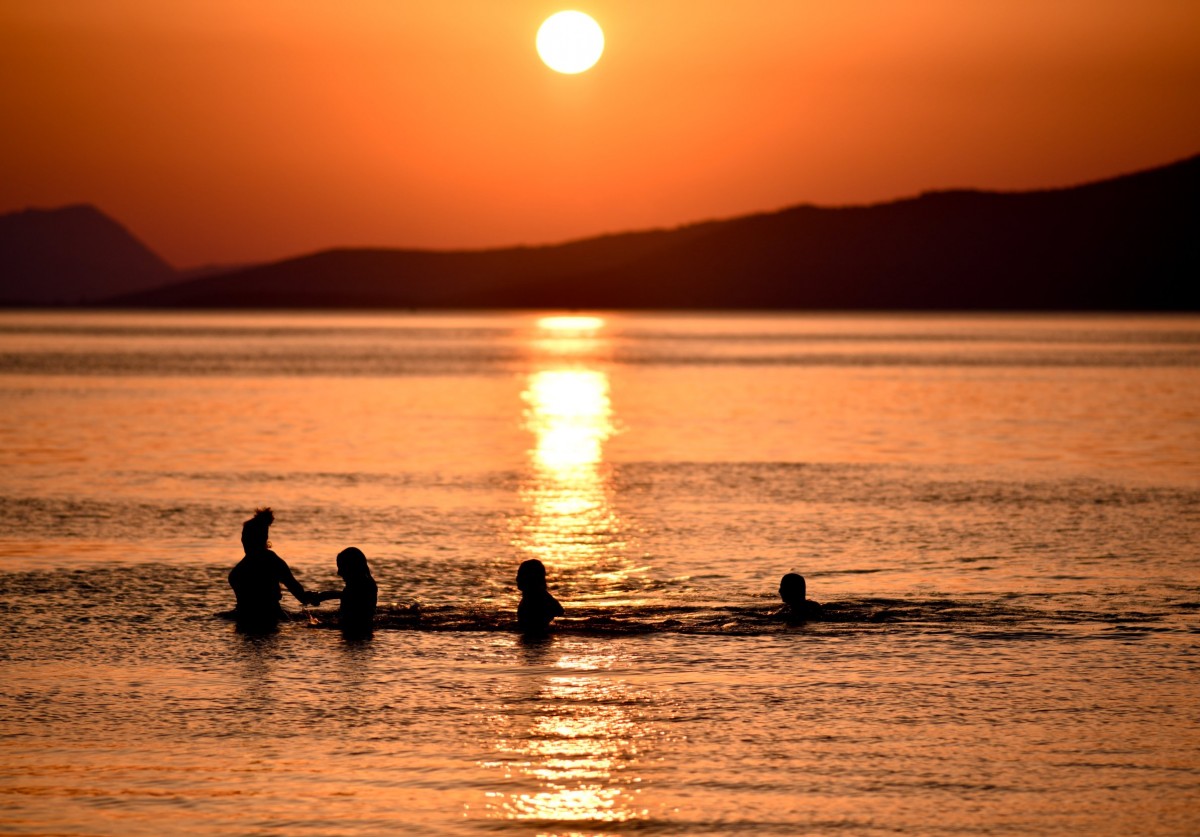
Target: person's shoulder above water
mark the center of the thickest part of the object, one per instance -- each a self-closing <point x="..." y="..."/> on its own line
<point x="266" y="559"/>
<point x="537" y="610"/>
<point x="805" y="611"/>
<point x="796" y="606"/>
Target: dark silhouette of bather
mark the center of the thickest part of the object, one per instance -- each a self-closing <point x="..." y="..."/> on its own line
<point x="797" y="608"/>
<point x="537" y="608"/>
<point x="256" y="578"/>
<point x="359" y="595"/>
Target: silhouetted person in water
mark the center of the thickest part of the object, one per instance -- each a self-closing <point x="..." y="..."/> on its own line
<point x="797" y="608"/>
<point x="359" y="595"/>
<point x="537" y="608"/>
<point x="256" y="578"/>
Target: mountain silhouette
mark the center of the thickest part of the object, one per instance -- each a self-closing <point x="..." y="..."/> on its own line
<point x="1127" y="243"/>
<point x="72" y="255"/>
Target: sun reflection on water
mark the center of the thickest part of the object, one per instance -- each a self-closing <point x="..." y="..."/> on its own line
<point x="568" y="739"/>
<point x="569" y="522"/>
<point x="569" y="745"/>
<point x="570" y="324"/>
<point x="570" y="414"/>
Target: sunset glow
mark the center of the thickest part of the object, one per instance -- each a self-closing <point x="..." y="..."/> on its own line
<point x="221" y="131"/>
<point x="476" y="417"/>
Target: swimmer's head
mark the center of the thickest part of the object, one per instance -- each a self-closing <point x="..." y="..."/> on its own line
<point x="351" y="563"/>
<point x="254" y="530"/>
<point x="531" y="575"/>
<point x="792" y="588"/>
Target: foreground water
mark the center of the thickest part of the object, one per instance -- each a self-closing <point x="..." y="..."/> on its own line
<point x="1000" y="513"/>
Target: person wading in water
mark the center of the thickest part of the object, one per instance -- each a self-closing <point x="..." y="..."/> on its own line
<point x="256" y="578"/>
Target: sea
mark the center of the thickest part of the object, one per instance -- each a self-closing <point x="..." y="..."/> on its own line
<point x="1000" y="515"/>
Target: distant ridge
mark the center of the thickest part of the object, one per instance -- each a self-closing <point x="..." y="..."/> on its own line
<point x="1127" y="243"/>
<point x="72" y="255"/>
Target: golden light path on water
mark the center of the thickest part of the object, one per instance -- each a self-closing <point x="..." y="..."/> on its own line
<point x="567" y="741"/>
<point x="568" y="744"/>
<point x="569" y="521"/>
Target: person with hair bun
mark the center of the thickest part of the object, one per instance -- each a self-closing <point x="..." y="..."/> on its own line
<point x="256" y="578"/>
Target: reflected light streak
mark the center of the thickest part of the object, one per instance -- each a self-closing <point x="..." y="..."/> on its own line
<point x="569" y="521"/>
<point x="569" y="743"/>
<point x="579" y="750"/>
<point x="575" y="337"/>
<point x="570" y="416"/>
<point x="573" y="324"/>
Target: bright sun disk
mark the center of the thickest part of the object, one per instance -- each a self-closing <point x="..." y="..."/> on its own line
<point x="570" y="42"/>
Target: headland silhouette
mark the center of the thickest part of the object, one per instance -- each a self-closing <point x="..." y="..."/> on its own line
<point x="1127" y="243"/>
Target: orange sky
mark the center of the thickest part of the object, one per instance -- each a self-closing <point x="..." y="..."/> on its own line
<point x="241" y="130"/>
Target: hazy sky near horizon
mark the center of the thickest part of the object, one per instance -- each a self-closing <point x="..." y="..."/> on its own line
<point x="243" y="130"/>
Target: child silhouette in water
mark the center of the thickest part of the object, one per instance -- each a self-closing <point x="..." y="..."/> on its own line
<point x="796" y="608"/>
<point x="256" y="578"/>
<point x="537" y="608"/>
<point x="359" y="596"/>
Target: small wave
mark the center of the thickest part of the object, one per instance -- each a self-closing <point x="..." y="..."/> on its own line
<point x="983" y="620"/>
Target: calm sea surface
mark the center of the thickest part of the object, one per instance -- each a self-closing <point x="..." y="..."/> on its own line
<point x="1001" y="514"/>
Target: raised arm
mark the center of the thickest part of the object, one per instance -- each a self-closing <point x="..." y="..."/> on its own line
<point x="294" y="587"/>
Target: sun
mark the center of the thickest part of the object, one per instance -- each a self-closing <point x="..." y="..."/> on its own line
<point x="570" y="42"/>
